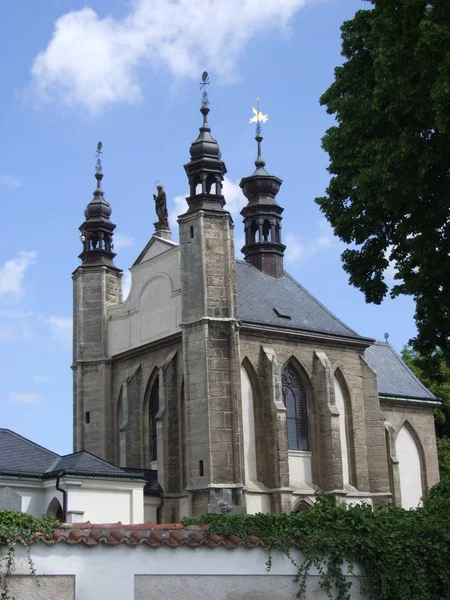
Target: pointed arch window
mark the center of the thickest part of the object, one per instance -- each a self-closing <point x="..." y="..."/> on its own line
<point x="154" y="408"/>
<point x="294" y="398"/>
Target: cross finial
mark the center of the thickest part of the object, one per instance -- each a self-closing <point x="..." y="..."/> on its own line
<point x="203" y="83"/>
<point x="258" y="117"/>
<point x="98" y="167"/>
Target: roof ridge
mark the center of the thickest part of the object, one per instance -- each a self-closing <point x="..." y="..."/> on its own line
<point x="94" y="456"/>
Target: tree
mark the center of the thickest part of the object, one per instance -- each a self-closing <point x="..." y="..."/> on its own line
<point x="389" y="195"/>
<point x="435" y="374"/>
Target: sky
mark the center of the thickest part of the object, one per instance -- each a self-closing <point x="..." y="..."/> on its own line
<point x="127" y="73"/>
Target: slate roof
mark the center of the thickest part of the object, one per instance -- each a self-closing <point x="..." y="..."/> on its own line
<point x="394" y="376"/>
<point x="21" y="456"/>
<point x="86" y="463"/>
<point x="18" y="454"/>
<point x="171" y="535"/>
<point x="259" y="294"/>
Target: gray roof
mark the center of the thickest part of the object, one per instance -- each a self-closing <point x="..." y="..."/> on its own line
<point x="394" y="376"/>
<point x="87" y="463"/>
<point x="18" y="454"/>
<point x="261" y="299"/>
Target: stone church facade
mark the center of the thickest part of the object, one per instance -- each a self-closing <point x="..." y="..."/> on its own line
<point x="226" y="377"/>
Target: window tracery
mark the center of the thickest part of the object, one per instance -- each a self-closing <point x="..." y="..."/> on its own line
<point x="294" y="398"/>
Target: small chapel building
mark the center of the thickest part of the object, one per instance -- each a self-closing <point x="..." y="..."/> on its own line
<point x="225" y="378"/>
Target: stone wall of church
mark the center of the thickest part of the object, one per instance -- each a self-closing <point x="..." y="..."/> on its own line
<point x="137" y="373"/>
<point x="417" y="420"/>
<point x="319" y="363"/>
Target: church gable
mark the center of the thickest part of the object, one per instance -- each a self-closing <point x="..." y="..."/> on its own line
<point x="153" y="307"/>
<point x="154" y="247"/>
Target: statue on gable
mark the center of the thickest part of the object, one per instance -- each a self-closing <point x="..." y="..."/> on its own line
<point x="161" y="207"/>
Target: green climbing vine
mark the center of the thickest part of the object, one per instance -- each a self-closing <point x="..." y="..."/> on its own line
<point x="402" y="555"/>
<point x="19" y="528"/>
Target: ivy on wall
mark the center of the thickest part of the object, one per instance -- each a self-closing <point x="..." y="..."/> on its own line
<point x="402" y="555"/>
<point x="19" y="528"/>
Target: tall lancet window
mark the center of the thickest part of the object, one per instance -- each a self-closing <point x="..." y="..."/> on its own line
<point x="154" y="408"/>
<point x="294" y="398"/>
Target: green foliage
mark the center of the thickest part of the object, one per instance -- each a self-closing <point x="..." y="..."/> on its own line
<point x="402" y="555"/>
<point x="434" y="372"/>
<point x="17" y="527"/>
<point x="389" y="195"/>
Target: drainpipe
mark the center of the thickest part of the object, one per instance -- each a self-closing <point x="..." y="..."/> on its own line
<point x="64" y="494"/>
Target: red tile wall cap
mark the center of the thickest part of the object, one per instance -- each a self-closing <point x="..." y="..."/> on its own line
<point x="172" y="535"/>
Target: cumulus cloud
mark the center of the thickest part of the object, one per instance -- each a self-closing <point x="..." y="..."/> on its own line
<point x="13" y="271"/>
<point x="122" y="241"/>
<point x="24" y="397"/>
<point x="235" y="201"/>
<point x="10" y="181"/>
<point x="61" y="329"/>
<point x="92" y="61"/>
<point x="296" y="251"/>
<point x="126" y="285"/>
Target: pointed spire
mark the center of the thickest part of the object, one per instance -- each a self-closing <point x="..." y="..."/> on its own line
<point x="206" y="169"/>
<point x="262" y="215"/>
<point x="96" y="233"/>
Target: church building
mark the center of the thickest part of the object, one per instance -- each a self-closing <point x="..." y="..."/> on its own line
<point x="225" y="378"/>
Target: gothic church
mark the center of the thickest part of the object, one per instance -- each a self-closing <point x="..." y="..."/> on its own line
<point x="225" y="380"/>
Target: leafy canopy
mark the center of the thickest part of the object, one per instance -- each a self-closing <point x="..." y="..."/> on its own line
<point x="389" y="195"/>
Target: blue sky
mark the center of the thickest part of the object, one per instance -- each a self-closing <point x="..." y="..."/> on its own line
<point x="127" y="73"/>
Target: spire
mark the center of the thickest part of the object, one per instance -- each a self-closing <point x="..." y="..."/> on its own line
<point x="96" y="233"/>
<point x="262" y="215"/>
<point x="206" y="169"/>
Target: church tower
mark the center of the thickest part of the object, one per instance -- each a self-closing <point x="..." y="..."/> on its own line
<point x="96" y="285"/>
<point x="262" y="218"/>
<point x="210" y="334"/>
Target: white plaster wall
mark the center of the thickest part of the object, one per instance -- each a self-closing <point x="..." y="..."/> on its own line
<point x="340" y="404"/>
<point x="105" y="573"/>
<point x="153" y="307"/>
<point x="248" y="423"/>
<point x="257" y="503"/>
<point x="409" y="468"/>
<point x="35" y="496"/>
<point x="300" y="475"/>
<point x="151" y="505"/>
<point x="106" y="506"/>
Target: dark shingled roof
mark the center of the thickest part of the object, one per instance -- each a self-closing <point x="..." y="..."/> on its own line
<point x="259" y="294"/>
<point x="85" y="462"/>
<point x="394" y="377"/>
<point x="17" y="454"/>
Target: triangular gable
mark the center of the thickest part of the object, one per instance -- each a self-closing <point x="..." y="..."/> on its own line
<point x="154" y="247"/>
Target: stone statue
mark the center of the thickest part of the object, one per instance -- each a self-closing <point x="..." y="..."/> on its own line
<point x="161" y="208"/>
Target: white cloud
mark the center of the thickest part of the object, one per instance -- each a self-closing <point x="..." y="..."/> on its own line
<point x="10" y="181"/>
<point x="93" y="61"/>
<point x="24" y="397"/>
<point x="235" y="201"/>
<point x="12" y="273"/>
<point x="296" y="251"/>
<point x="126" y="285"/>
<point x="61" y="329"/>
<point x="122" y="241"/>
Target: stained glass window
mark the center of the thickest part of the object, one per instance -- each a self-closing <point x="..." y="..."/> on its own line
<point x="294" y="398"/>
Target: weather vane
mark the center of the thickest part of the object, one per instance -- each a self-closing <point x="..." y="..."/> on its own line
<point x="203" y="83"/>
<point x="386" y="336"/>
<point x="98" y="168"/>
<point x="258" y="117"/>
